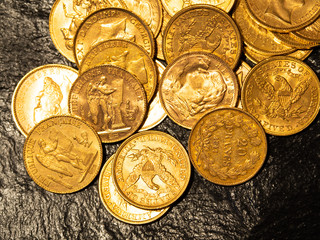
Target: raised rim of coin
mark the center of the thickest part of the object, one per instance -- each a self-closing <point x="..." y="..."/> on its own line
<point x="259" y="126"/>
<point x="21" y="82"/>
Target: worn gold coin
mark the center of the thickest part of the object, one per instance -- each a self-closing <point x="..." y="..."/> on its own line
<point x="202" y="28"/>
<point x="111" y="23"/>
<point x="151" y="170"/>
<point x="42" y="93"/>
<point x="156" y="114"/>
<point x="283" y="94"/>
<point x="284" y="16"/>
<point x="127" y="55"/>
<point x="65" y="19"/>
<point x="117" y="206"/>
<point x="173" y="6"/>
<point x="62" y="154"/>
<point x="111" y="99"/>
<point x="227" y="146"/>
<point x="194" y="84"/>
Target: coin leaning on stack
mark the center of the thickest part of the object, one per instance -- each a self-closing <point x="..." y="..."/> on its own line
<point x="119" y="88"/>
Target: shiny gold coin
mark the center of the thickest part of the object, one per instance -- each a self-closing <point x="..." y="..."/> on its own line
<point x="117" y="206"/>
<point x="156" y="114"/>
<point x="310" y="33"/>
<point x="111" y="23"/>
<point x="284" y="16"/>
<point x="241" y="74"/>
<point x="227" y="146"/>
<point x="256" y="36"/>
<point x="159" y="39"/>
<point x="62" y="154"/>
<point x="257" y="57"/>
<point x="42" y="93"/>
<point x="151" y="170"/>
<point x="202" y="28"/>
<point x="111" y="99"/>
<point x="283" y="94"/>
<point x="194" y="84"/>
<point x="127" y="55"/>
<point x="65" y="18"/>
<point x="294" y="41"/>
<point x="173" y="6"/>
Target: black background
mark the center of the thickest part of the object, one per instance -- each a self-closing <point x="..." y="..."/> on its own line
<point x="280" y="202"/>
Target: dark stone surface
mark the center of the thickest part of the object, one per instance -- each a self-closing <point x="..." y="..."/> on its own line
<point x="280" y="202"/>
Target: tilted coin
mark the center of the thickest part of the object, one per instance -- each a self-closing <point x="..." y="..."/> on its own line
<point x="42" y="93"/>
<point x="62" y="154"/>
<point x="151" y="170"/>
<point x="111" y="99"/>
<point x="283" y="94"/>
<point x="111" y="23"/>
<point x="173" y="6"/>
<point x="284" y="16"/>
<point x="241" y="73"/>
<point x="256" y="36"/>
<point x="65" y="18"/>
<point x="202" y="28"/>
<point x="127" y="55"/>
<point x="194" y="84"/>
<point x="227" y="146"/>
<point x="311" y="32"/>
<point x="290" y="39"/>
<point x="159" y="38"/>
<point x="117" y="206"/>
<point x="156" y="114"/>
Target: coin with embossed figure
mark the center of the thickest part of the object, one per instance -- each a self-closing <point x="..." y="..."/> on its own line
<point x="202" y="28"/>
<point x="111" y="23"/>
<point x="111" y="99"/>
<point x="62" y="154"/>
<point x="284" y="15"/>
<point x="151" y="170"/>
<point x="173" y="6"/>
<point x="227" y="146"/>
<point x="283" y="94"/>
<point x="127" y="55"/>
<point x="194" y="84"/>
<point x="42" y="93"/>
<point x="156" y="114"/>
<point x="120" y="208"/>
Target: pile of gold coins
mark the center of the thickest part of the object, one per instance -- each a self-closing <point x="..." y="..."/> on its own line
<point x="120" y="89"/>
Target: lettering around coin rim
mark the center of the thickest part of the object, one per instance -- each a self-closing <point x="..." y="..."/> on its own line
<point x="238" y="162"/>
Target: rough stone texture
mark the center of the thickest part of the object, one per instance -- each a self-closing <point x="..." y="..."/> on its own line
<point x="280" y="202"/>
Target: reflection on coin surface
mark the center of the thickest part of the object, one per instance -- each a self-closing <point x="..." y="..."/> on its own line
<point x="111" y="99"/>
<point x="151" y="170"/>
<point x="227" y="146"/>
<point x="117" y="206"/>
<point x="126" y="55"/>
<point x="111" y="23"/>
<point x="290" y="39"/>
<point x="62" y="154"/>
<point x="173" y="6"/>
<point x="194" y="84"/>
<point x="311" y="32"/>
<point x="284" y="16"/>
<point x="202" y="28"/>
<point x="283" y="94"/>
<point x="42" y="93"/>
<point x="241" y="73"/>
<point x="156" y="114"/>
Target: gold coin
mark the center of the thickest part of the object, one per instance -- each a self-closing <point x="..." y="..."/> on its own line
<point x="241" y="74"/>
<point x="151" y="170"/>
<point x="283" y="94"/>
<point x="284" y="16"/>
<point x="42" y="93"/>
<point x="62" y="154"/>
<point x="256" y="36"/>
<point x="111" y="99"/>
<point x="65" y="18"/>
<point x="227" y="146"/>
<point x="310" y="33"/>
<point x="159" y="38"/>
<point x="127" y="55"/>
<point x="156" y="114"/>
<point x="194" y="84"/>
<point x="294" y="41"/>
<point x="117" y="206"/>
<point x="202" y="28"/>
<point x="111" y="23"/>
<point x="173" y="6"/>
